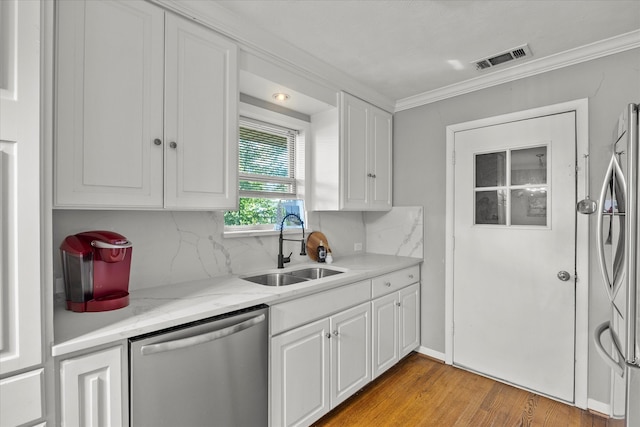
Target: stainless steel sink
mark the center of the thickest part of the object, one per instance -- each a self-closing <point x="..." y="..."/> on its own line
<point x="275" y="279"/>
<point x="291" y="277"/>
<point x="314" y="272"/>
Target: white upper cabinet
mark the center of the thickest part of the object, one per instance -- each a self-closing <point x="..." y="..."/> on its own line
<point x="201" y="118"/>
<point x="146" y="109"/>
<point x="352" y="157"/>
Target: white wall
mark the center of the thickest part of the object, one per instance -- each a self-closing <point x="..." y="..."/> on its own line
<point x="419" y="168"/>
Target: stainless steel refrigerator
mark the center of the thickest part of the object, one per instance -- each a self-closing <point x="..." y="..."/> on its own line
<point x="618" y="340"/>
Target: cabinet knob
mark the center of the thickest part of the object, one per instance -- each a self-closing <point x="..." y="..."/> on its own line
<point x="398" y="304"/>
<point x="387" y="284"/>
<point x="157" y="141"/>
<point x="373" y="175"/>
<point x="335" y="332"/>
<point x="328" y="335"/>
<point x="173" y="144"/>
<point x="411" y="276"/>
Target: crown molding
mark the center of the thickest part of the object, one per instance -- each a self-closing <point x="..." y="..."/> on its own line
<point x="258" y="42"/>
<point x="578" y="55"/>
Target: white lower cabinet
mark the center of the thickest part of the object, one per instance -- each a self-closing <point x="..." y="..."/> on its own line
<point x="92" y="390"/>
<point x="396" y="327"/>
<point x="317" y="366"/>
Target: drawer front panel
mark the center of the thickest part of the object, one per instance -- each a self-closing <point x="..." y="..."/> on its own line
<point x="21" y="398"/>
<point x="391" y="282"/>
<point x="304" y="310"/>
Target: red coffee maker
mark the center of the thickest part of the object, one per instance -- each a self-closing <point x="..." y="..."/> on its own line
<point x="95" y="267"/>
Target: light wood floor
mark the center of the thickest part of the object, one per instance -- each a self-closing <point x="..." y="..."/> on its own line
<point x="422" y="392"/>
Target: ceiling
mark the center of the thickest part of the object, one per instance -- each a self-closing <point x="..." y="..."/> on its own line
<point x="403" y="48"/>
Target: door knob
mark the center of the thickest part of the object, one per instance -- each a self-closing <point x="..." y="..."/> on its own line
<point x="564" y="275"/>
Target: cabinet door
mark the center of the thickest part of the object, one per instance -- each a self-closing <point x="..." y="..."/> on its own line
<point x="385" y="333"/>
<point x="109" y="104"/>
<point x="300" y="375"/>
<point x="350" y="352"/>
<point x="91" y="389"/>
<point x="380" y="159"/>
<point x="20" y="245"/>
<point x="201" y="123"/>
<point x="355" y="153"/>
<point x="409" y="323"/>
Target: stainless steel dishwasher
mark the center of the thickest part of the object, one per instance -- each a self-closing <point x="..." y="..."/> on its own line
<point x="212" y="372"/>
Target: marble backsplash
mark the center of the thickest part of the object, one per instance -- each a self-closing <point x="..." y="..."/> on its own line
<point x="174" y="247"/>
<point x="397" y="232"/>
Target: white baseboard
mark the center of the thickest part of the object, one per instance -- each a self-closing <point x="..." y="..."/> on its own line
<point x="431" y="353"/>
<point x="597" y="406"/>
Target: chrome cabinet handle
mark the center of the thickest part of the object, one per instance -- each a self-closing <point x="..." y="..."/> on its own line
<point x="335" y="332"/>
<point x="328" y="335"/>
<point x="387" y="284"/>
<point x="564" y="275"/>
<point x="173" y="144"/>
<point x="398" y="304"/>
<point x="160" y="347"/>
<point x="157" y="141"/>
<point x="411" y="276"/>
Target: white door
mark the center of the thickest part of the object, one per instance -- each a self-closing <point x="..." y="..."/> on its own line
<point x="109" y="119"/>
<point x="384" y="312"/>
<point x="300" y="375"/>
<point x="380" y="159"/>
<point x="350" y="352"/>
<point x="514" y="228"/>
<point x="355" y="125"/>
<point x="201" y="125"/>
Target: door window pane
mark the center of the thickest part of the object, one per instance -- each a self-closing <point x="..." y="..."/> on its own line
<point x="529" y="166"/>
<point x="490" y="169"/>
<point x="490" y="207"/>
<point x="529" y="206"/>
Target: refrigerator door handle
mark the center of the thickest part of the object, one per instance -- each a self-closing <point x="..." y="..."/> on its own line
<point x="617" y="366"/>
<point x="613" y="178"/>
<point x="200" y="339"/>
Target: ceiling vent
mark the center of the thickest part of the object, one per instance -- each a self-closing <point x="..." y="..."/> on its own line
<point x="500" y="58"/>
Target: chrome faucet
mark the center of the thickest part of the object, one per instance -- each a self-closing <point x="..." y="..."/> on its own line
<point x="303" y="250"/>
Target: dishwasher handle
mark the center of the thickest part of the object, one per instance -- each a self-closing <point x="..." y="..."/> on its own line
<point x="200" y="339"/>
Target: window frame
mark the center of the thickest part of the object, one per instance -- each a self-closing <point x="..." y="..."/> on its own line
<point x="302" y="166"/>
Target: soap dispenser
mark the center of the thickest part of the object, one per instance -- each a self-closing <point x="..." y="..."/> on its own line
<point x="322" y="252"/>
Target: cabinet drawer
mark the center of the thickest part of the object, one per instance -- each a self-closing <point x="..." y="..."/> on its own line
<point x="21" y="398"/>
<point x="382" y="285"/>
<point x="303" y="310"/>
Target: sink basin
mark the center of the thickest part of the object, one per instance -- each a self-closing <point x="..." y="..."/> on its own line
<point x="275" y="279"/>
<point x="291" y="277"/>
<point x="314" y="272"/>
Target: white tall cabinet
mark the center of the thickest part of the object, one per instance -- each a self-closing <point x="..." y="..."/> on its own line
<point x="21" y="357"/>
<point x="352" y="157"/>
<point x="147" y="106"/>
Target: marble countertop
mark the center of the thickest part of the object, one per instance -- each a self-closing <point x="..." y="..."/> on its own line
<point x="163" y="307"/>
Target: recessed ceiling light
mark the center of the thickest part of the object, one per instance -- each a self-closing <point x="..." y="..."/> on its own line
<point x="281" y="97"/>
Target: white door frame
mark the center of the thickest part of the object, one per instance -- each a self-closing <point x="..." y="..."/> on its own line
<point x="581" y="108"/>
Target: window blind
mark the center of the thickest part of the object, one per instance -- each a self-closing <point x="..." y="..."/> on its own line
<point x="266" y="160"/>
